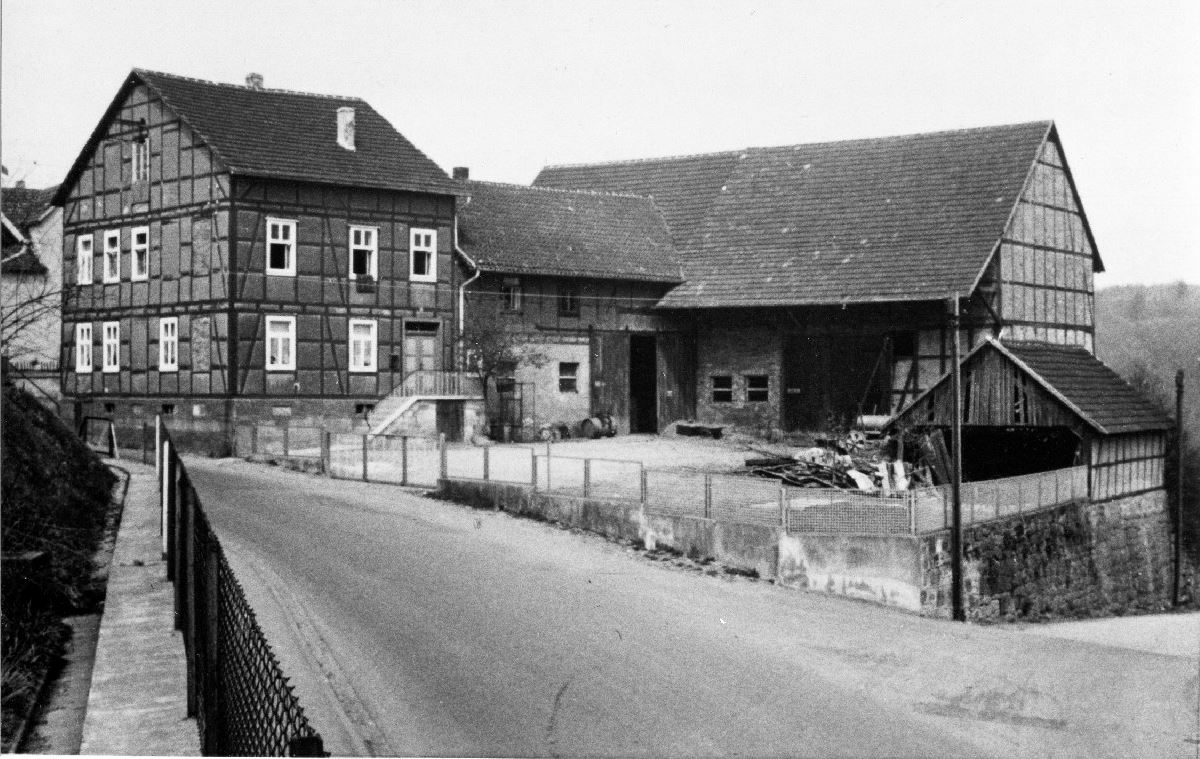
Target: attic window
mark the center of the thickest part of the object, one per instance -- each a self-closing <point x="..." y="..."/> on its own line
<point x="141" y="158"/>
<point x="281" y="247"/>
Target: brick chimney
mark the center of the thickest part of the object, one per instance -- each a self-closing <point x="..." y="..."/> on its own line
<point x="345" y="127"/>
<point x="462" y="172"/>
<point x="254" y="81"/>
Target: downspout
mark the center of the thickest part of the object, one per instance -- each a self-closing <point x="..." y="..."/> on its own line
<point x="462" y="297"/>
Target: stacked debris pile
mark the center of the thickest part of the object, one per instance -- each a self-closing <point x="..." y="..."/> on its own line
<point x="851" y="462"/>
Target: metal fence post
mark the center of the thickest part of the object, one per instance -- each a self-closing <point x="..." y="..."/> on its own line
<point x="404" y="460"/>
<point x="326" y="445"/>
<point x="443" y="463"/>
<point x="782" y="506"/>
<point x="487" y="461"/>
<point x="286" y="434"/>
<point x="365" y="457"/>
<point x="533" y="468"/>
<point x="708" y="496"/>
<point x="587" y="477"/>
<point x="213" y="712"/>
<point x="642" y="482"/>
<point x="254" y="438"/>
<point x="912" y="513"/>
<point x="549" y="468"/>
<point x="160" y="463"/>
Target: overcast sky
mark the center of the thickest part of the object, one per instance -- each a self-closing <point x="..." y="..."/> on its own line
<point x="505" y="88"/>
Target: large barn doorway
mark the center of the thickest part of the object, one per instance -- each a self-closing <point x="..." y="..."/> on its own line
<point x="643" y="384"/>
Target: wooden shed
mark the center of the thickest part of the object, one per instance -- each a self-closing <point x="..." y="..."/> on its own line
<point x="1032" y="407"/>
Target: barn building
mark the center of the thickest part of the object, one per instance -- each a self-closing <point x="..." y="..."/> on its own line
<point x="236" y="253"/>
<point x="815" y="276"/>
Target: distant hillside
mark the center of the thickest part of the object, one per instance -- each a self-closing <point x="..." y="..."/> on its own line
<point x="1147" y="333"/>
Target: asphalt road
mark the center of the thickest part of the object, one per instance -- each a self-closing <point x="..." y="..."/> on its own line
<point x="416" y="627"/>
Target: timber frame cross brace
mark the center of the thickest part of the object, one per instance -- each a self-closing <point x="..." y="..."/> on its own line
<point x="997" y="322"/>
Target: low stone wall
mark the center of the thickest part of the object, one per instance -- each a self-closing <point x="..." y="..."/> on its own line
<point x="1077" y="560"/>
<point x="882" y="568"/>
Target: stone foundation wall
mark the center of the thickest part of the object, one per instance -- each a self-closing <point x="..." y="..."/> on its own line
<point x="1081" y="559"/>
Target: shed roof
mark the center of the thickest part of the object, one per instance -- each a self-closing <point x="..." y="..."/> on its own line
<point x="914" y="217"/>
<point x="1084" y="384"/>
<point x="534" y="230"/>
<point x="284" y="135"/>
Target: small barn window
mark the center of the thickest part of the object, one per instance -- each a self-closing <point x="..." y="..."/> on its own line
<point x="568" y="377"/>
<point x="362" y="345"/>
<point x="510" y="294"/>
<point x="568" y="299"/>
<point x="422" y="245"/>
<point x="281" y="343"/>
<point x="112" y="347"/>
<point x="168" y="344"/>
<point x="722" y="388"/>
<point x="112" y="255"/>
<point x="83" y="260"/>
<point x="281" y="247"/>
<point x="83" y="348"/>
<point x="364" y="250"/>
<point x="758" y="388"/>
<point x="140" y="254"/>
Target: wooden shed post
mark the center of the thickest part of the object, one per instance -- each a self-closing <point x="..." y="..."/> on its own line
<point x="956" y="552"/>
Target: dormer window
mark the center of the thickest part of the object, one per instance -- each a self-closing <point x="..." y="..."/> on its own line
<point x="422" y="244"/>
<point x="281" y="247"/>
<point x="345" y="127"/>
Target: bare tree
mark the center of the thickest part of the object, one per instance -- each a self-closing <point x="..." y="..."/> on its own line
<point x="29" y="307"/>
<point x="493" y="349"/>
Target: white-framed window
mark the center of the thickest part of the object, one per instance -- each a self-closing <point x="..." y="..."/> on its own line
<point x="568" y="377"/>
<point x="83" y="348"/>
<point x="168" y="344"/>
<point x="362" y="345"/>
<point x="422" y="255"/>
<point x="111" y="347"/>
<point x="112" y="255"/>
<point x="281" y="343"/>
<point x="83" y="259"/>
<point x="139" y="254"/>
<point x="364" y="252"/>
<point x="141" y="159"/>
<point x="281" y="247"/>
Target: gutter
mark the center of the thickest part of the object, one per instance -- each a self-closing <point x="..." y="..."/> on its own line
<point x="462" y="290"/>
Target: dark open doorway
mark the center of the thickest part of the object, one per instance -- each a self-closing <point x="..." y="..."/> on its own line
<point x="643" y="384"/>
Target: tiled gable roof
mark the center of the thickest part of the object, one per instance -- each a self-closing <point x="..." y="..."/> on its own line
<point x="904" y="218"/>
<point x="530" y="230"/>
<point x="24" y="206"/>
<point x="20" y="260"/>
<point x="288" y="135"/>
<point x="1104" y="400"/>
<point x="684" y="187"/>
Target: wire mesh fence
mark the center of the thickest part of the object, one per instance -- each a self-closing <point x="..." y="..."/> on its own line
<point x="236" y="689"/>
<point x="994" y="499"/>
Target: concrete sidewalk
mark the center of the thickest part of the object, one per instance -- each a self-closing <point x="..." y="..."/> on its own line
<point x="1170" y="634"/>
<point x="138" y="700"/>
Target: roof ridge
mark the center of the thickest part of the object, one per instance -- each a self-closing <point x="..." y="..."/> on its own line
<point x="272" y="90"/>
<point x="653" y="159"/>
<point x="786" y="146"/>
<point x="559" y="190"/>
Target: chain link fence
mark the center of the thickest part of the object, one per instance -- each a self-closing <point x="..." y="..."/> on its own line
<point x="242" y="701"/>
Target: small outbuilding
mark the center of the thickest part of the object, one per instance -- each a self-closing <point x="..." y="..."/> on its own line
<point x="1033" y="407"/>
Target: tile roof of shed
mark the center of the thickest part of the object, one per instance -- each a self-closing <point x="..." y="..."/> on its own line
<point x="286" y="135"/>
<point x="532" y="230"/>
<point x="1082" y="382"/>
<point x="913" y="217"/>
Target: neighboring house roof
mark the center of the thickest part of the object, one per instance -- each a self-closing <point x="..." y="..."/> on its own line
<point x="1084" y="384"/>
<point x="283" y="135"/>
<point x="24" y="206"/>
<point x="532" y="230"/>
<point x="907" y="218"/>
<point x="20" y="260"/>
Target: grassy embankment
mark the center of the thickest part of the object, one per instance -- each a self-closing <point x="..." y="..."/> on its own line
<point x="55" y="494"/>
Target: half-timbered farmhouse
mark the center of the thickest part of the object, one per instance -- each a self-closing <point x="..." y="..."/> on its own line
<point x="816" y="277"/>
<point x="242" y="253"/>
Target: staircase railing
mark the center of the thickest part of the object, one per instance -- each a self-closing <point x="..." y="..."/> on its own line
<point x="433" y="382"/>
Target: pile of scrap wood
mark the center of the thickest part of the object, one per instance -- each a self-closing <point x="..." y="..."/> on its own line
<point x="853" y="463"/>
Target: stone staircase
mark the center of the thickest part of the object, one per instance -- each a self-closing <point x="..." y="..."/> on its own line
<point x="421" y="387"/>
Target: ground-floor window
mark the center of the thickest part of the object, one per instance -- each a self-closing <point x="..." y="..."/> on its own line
<point x="281" y="343"/>
<point x="362" y="345"/>
<point x="722" y="388"/>
<point x="757" y="388"/>
<point x="568" y="377"/>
